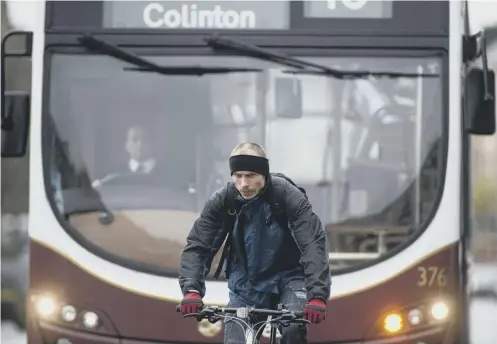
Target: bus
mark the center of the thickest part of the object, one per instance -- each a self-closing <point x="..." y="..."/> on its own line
<point x="133" y="111"/>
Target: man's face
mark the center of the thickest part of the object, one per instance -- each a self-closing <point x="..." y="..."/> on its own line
<point x="248" y="183"/>
<point x="137" y="143"/>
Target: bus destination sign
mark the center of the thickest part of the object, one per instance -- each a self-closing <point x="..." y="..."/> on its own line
<point x="234" y="15"/>
<point x="228" y="15"/>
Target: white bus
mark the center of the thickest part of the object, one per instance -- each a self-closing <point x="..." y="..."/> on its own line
<point x="134" y="109"/>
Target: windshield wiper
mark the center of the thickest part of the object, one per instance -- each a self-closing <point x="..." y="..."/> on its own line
<point x="359" y="74"/>
<point x="268" y="55"/>
<point x="253" y="51"/>
<point x="145" y="65"/>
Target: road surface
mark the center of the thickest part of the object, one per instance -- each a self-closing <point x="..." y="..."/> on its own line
<point x="12" y="335"/>
<point x="483" y="324"/>
<point x="484" y="329"/>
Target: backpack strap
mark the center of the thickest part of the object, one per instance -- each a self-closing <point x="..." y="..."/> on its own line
<point x="274" y="196"/>
<point x="228" y="224"/>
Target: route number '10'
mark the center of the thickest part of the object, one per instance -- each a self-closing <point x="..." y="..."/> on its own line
<point x="350" y="4"/>
<point x="431" y="276"/>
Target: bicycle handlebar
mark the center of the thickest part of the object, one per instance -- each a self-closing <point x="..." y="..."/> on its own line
<point x="244" y="312"/>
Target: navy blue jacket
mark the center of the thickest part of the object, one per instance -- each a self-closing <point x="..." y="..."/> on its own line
<point x="270" y="251"/>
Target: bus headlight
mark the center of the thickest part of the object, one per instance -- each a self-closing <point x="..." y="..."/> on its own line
<point x="72" y="315"/>
<point x="393" y="323"/>
<point x="415" y="317"/>
<point x="90" y="319"/>
<point x="439" y="310"/>
<point x="45" y="306"/>
<point x="68" y="313"/>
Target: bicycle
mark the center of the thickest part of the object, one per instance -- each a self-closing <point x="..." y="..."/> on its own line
<point x="245" y="316"/>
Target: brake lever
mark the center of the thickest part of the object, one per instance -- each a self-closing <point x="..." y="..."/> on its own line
<point x="199" y="316"/>
<point x="213" y="319"/>
<point x="303" y="321"/>
<point x="288" y="319"/>
<point x="280" y="321"/>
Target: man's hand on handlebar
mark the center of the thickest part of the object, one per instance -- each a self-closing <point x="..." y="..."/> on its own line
<point x="191" y="303"/>
<point x="315" y="311"/>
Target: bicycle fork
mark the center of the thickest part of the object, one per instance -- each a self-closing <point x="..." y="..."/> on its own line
<point x="251" y="337"/>
<point x="274" y="328"/>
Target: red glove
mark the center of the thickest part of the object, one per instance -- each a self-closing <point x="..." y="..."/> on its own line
<point x="315" y="311"/>
<point x="191" y="303"/>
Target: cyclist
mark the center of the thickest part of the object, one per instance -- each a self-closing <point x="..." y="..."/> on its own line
<point x="268" y="260"/>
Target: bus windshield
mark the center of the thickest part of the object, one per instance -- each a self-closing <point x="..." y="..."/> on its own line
<point x="132" y="156"/>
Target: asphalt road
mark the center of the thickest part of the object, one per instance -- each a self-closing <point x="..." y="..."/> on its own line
<point x="483" y="325"/>
<point x="12" y="335"/>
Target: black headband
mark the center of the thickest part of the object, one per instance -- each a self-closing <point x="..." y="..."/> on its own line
<point x="250" y="163"/>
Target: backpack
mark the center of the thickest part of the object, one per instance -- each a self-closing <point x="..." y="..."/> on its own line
<point x="281" y="175"/>
<point x="230" y="217"/>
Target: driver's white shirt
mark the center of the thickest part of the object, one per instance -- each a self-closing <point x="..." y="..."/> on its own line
<point x="146" y="166"/>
